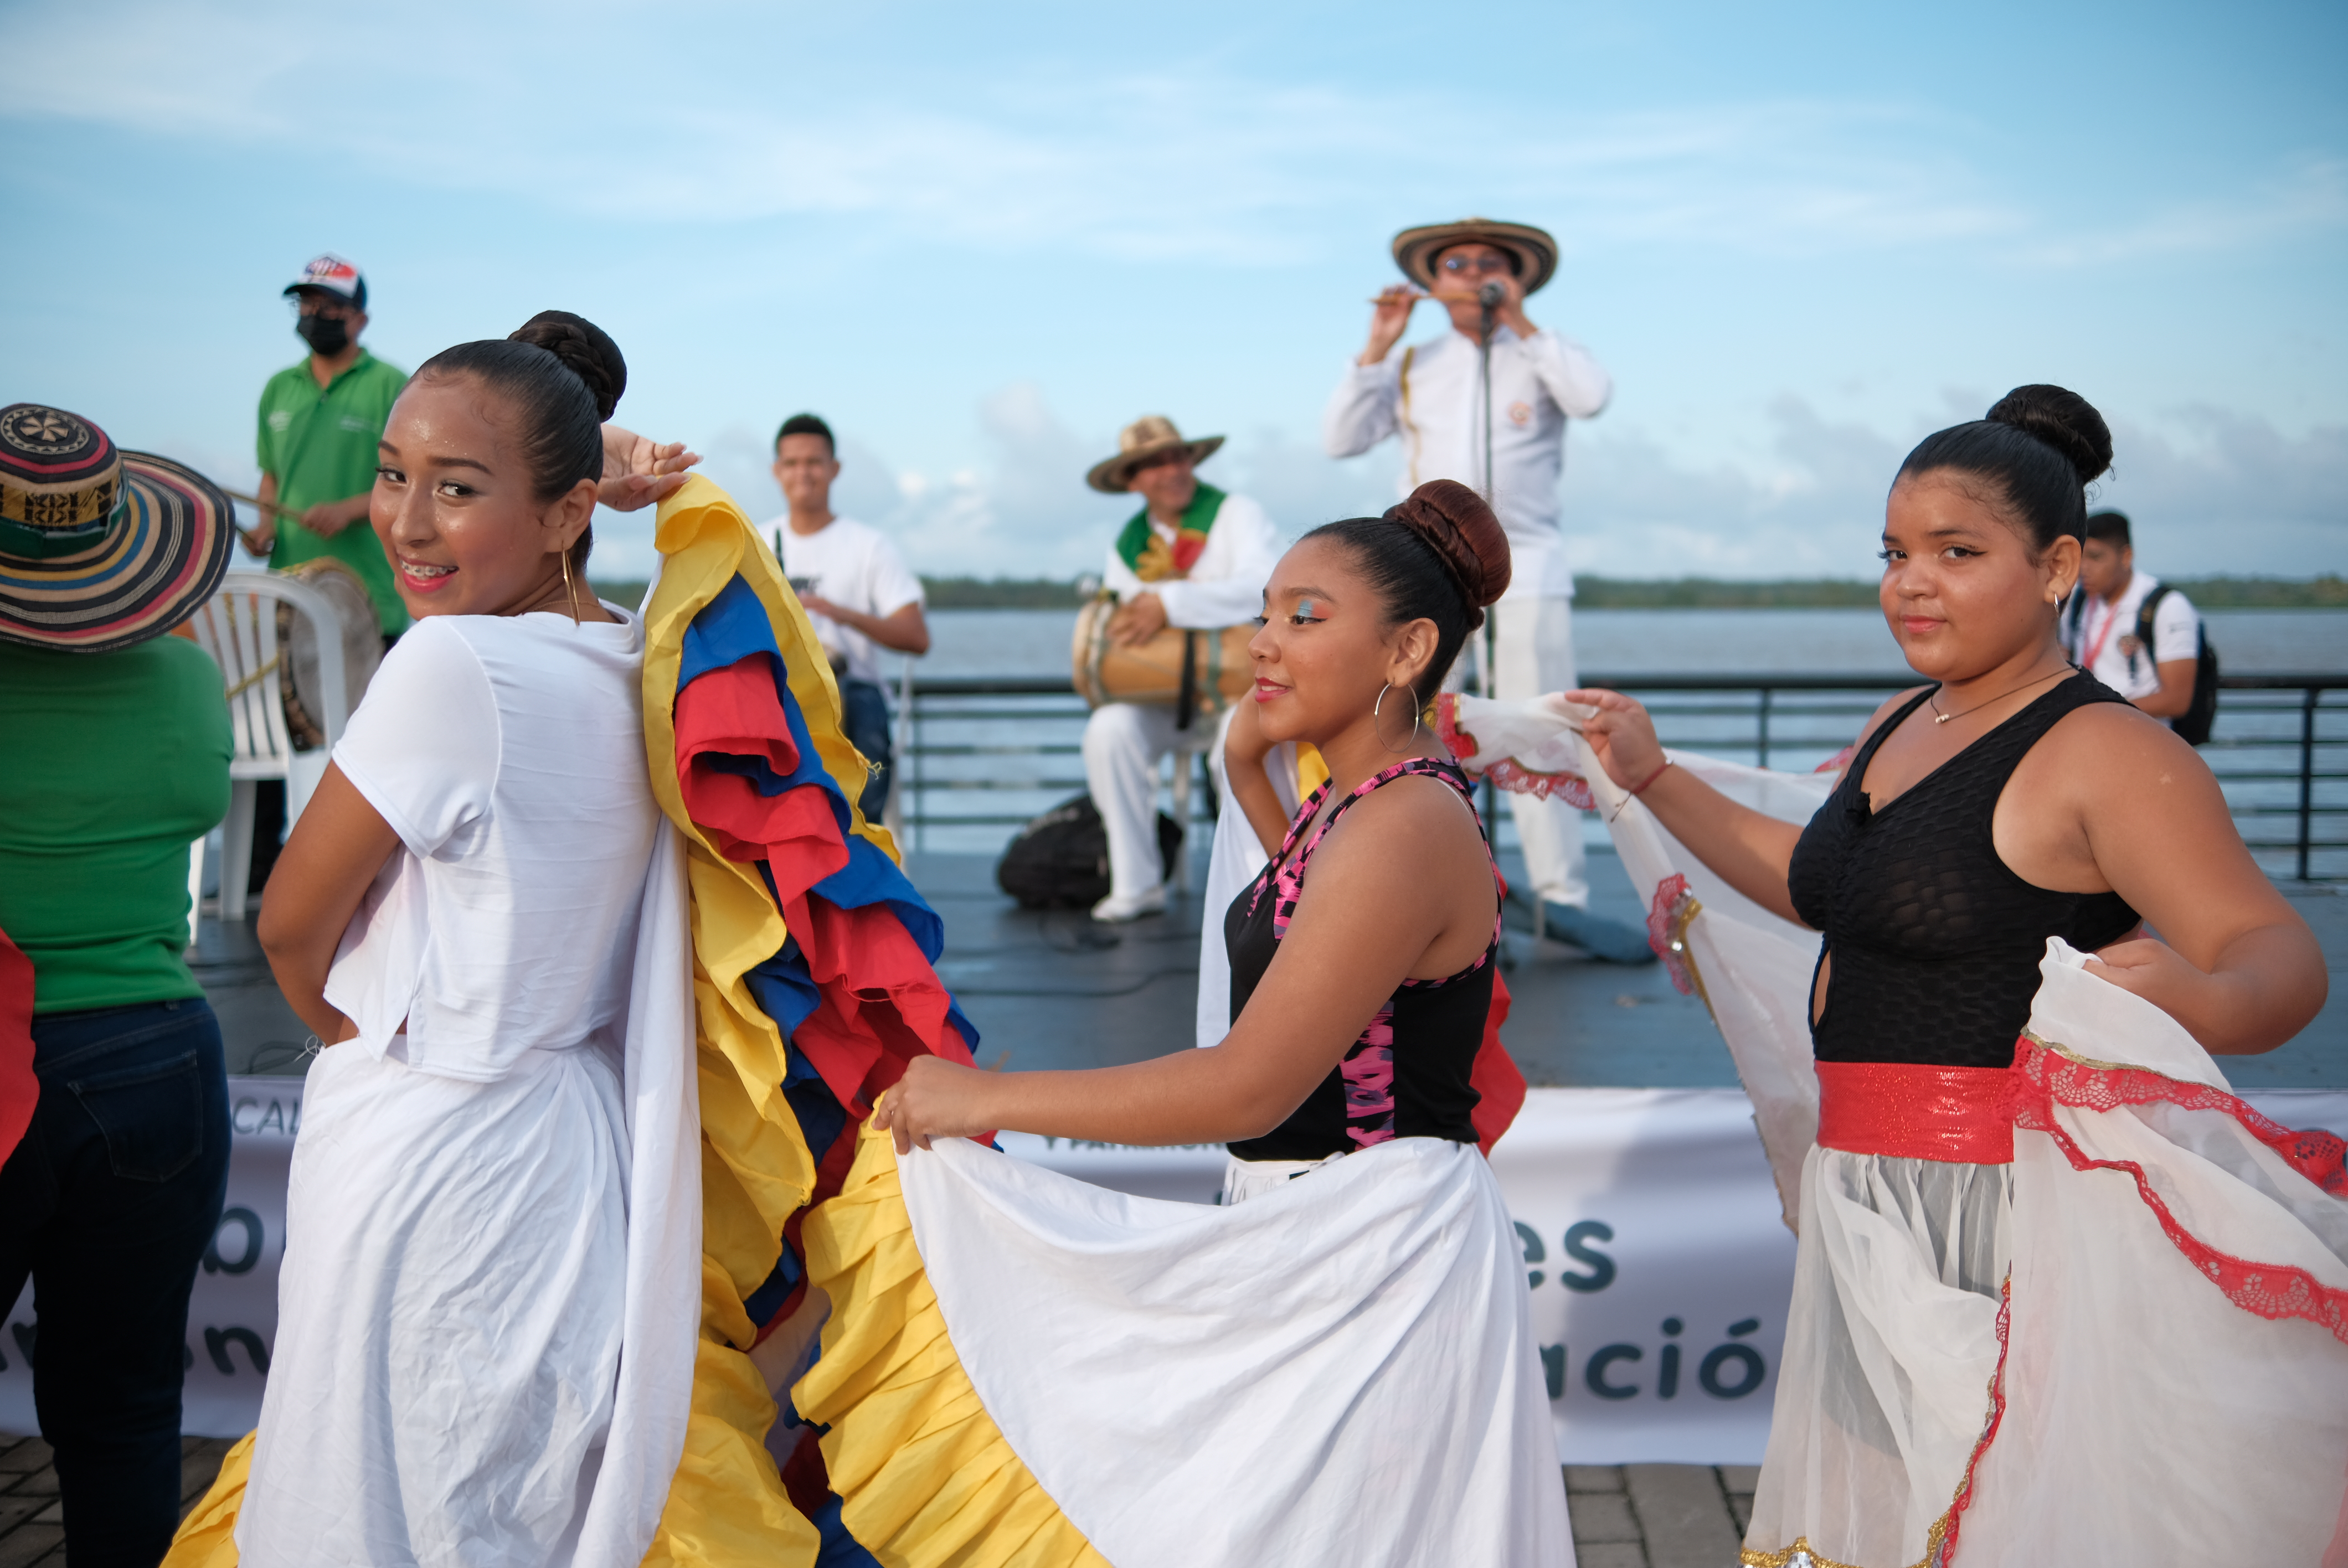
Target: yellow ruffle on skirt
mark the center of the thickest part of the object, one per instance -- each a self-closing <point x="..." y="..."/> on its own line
<point x="207" y="1537"/>
<point x="928" y="1479"/>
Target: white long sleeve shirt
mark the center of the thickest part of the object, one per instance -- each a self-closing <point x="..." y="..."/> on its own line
<point x="1431" y="395"/>
<point x="1225" y="585"/>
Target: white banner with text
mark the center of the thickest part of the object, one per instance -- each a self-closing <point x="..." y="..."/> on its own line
<point x="1658" y="1267"/>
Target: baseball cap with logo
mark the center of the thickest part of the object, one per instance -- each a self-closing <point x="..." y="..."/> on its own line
<point x="334" y="275"/>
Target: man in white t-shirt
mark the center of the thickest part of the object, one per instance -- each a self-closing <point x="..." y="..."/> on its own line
<point x="1509" y="446"/>
<point x="1196" y="558"/>
<point x="854" y="587"/>
<point x="2100" y="626"/>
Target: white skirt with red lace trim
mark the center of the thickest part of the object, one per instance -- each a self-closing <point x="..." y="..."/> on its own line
<point x="2130" y="1346"/>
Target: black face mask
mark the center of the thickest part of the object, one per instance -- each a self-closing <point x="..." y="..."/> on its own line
<point x="326" y="335"/>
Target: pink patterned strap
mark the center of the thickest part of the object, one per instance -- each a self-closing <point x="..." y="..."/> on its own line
<point x="2270" y="1290"/>
<point x="1285" y="875"/>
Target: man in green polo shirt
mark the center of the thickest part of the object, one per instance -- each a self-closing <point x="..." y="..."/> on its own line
<point x="320" y="422"/>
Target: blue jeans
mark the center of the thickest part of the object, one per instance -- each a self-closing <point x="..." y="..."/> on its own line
<point x="864" y="716"/>
<point x="108" y="1203"/>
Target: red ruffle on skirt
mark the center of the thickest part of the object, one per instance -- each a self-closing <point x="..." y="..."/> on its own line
<point x="19" y="1089"/>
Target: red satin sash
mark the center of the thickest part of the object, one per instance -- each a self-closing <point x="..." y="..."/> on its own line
<point x="1911" y="1113"/>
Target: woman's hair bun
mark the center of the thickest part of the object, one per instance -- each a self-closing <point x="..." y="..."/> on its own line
<point x="587" y="349"/>
<point x="1456" y="522"/>
<point x="2064" y="420"/>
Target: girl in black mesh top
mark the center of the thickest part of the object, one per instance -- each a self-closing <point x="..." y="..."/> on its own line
<point x="2012" y="800"/>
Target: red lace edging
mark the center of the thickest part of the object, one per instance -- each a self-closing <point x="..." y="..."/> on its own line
<point x="2322" y="1157"/>
<point x="1662" y="915"/>
<point x="1964" y="1498"/>
<point x="1508" y="773"/>
<point x="1518" y="779"/>
<point x="2272" y="1291"/>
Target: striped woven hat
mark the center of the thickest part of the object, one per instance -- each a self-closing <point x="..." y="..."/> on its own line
<point x="99" y="548"/>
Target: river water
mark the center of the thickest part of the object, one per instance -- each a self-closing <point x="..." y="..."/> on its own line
<point x="974" y="642"/>
<point x="1007" y="768"/>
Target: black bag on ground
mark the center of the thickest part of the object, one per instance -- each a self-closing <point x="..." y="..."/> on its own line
<point x="1060" y="860"/>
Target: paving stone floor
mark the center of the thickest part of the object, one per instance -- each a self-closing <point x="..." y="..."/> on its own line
<point x="1658" y="1515"/>
<point x="1625" y="1516"/>
<point x="32" y="1526"/>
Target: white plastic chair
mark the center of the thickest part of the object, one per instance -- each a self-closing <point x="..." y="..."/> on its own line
<point x="238" y="627"/>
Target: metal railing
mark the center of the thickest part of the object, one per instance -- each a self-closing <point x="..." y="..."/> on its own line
<point x="983" y="755"/>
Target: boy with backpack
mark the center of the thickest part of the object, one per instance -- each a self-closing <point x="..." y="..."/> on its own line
<point x="2140" y="637"/>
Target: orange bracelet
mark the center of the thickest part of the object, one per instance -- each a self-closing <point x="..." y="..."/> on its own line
<point x="1651" y="777"/>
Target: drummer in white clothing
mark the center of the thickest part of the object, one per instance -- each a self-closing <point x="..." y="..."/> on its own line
<point x="1195" y="558"/>
<point x="1505" y="439"/>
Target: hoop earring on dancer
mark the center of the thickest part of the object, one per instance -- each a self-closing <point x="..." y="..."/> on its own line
<point x="570" y="588"/>
<point x="1405" y="748"/>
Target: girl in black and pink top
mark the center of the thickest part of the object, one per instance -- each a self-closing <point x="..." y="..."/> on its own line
<point x="1362" y="1274"/>
<point x="1359" y="998"/>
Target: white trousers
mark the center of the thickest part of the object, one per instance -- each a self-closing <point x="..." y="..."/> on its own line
<point x="1124" y="743"/>
<point x="1533" y="640"/>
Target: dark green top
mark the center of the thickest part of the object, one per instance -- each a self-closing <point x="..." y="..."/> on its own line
<point x="117" y="764"/>
<point x="321" y="446"/>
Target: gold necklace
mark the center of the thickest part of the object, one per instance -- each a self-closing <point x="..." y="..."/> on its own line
<point x="1940" y="718"/>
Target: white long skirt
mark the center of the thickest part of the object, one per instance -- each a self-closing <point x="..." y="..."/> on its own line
<point x="450" y="1316"/>
<point x="2033" y="1363"/>
<point x="1340" y="1370"/>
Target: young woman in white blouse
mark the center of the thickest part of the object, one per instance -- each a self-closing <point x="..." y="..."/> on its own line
<point x="479" y="915"/>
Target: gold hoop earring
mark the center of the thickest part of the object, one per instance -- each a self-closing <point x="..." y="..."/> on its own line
<point x="570" y="588"/>
<point x="1377" y="707"/>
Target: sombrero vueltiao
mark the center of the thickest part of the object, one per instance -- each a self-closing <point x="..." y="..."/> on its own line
<point x="1415" y="249"/>
<point x="1139" y="442"/>
<point x="99" y="548"/>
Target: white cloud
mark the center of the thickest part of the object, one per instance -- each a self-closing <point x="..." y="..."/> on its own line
<point x="2209" y="492"/>
<point x="2310" y="195"/>
<point x="535" y="105"/>
<point x="2198" y="485"/>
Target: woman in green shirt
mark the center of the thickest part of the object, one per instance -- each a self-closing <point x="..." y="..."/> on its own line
<point x="117" y="761"/>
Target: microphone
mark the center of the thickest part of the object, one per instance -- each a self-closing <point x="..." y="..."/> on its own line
<point x="1492" y="296"/>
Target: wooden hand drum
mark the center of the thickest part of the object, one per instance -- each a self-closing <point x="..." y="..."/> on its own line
<point x="1154" y="672"/>
<point x="298" y="640"/>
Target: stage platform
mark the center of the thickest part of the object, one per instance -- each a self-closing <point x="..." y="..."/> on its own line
<point x="1054" y="988"/>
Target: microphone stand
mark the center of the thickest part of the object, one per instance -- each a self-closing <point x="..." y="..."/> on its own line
<point x="1489" y="298"/>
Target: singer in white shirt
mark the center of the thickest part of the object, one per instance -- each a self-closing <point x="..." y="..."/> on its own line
<point x="1432" y="396"/>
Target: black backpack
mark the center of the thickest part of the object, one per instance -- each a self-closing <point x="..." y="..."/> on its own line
<point x="2194" y="725"/>
<point x="2202" y="713"/>
<point x="1060" y="860"/>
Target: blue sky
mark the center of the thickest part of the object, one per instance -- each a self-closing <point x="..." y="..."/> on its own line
<point x="981" y="239"/>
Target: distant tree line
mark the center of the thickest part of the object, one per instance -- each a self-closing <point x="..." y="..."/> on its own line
<point x="2329" y="591"/>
